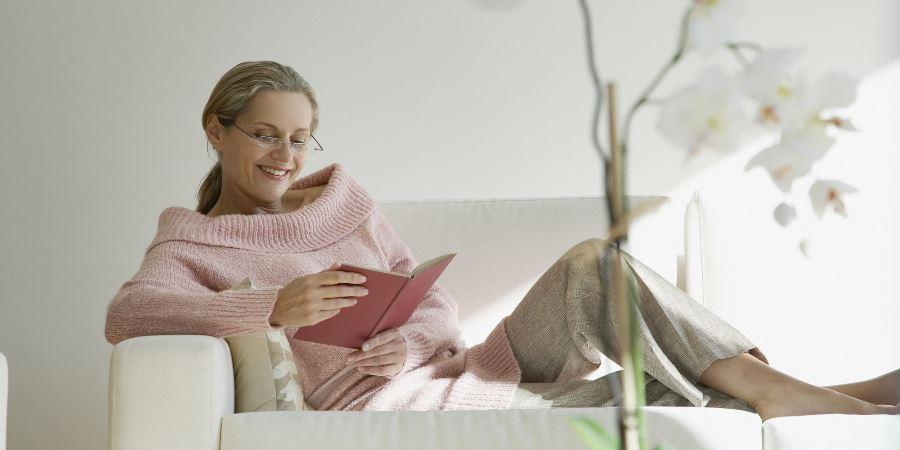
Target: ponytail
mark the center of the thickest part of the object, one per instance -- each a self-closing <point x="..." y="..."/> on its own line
<point x="209" y="191"/>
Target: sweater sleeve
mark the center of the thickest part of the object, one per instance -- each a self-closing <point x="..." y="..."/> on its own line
<point x="434" y="325"/>
<point x="164" y="297"/>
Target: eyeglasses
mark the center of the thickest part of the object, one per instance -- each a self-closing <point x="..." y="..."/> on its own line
<point x="271" y="142"/>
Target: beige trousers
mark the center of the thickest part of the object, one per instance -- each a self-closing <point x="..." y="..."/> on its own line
<point x="564" y="322"/>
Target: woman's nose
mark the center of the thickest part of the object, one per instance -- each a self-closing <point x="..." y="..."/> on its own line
<point x="283" y="152"/>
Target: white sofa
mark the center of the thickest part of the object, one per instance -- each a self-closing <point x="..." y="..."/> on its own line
<point x="177" y="391"/>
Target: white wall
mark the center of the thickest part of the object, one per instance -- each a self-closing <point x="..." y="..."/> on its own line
<point x="100" y="130"/>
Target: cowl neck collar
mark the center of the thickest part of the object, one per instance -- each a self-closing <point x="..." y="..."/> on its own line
<point x="340" y="208"/>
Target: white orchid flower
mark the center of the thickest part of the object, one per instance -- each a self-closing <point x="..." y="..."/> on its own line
<point x="824" y="193"/>
<point x="794" y="156"/>
<point x="712" y="23"/>
<point x="842" y="123"/>
<point x="785" y="214"/>
<point x="832" y="90"/>
<point x="710" y="114"/>
<point x="777" y="87"/>
<point x="806" y="248"/>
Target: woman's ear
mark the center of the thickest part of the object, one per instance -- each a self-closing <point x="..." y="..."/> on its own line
<point x="214" y="131"/>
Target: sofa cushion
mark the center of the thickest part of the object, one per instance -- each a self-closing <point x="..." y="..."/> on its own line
<point x="832" y="431"/>
<point x="265" y="374"/>
<point x="674" y="427"/>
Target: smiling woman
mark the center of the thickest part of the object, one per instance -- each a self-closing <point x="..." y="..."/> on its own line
<point x="245" y="120"/>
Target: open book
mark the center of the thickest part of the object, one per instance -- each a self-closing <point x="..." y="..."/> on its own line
<point x="391" y="300"/>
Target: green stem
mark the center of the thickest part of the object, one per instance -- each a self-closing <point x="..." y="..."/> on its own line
<point x="634" y="371"/>
<point x="749" y="45"/>
<point x="679" y="52"/>
<point x="598" y="105"/>
<point x="595" y="79"/>
<point x="737" y="54"/>
<point x="638" y="358"/>
<point x="735" y="48"/>
<point x="632" y="425"/>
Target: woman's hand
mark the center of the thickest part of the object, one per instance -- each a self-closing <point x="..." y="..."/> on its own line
<point x="382" y="355"/>
<point x="311" y="299"/>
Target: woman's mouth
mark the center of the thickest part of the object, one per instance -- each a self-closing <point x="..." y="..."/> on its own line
<point x="273" y="174"/>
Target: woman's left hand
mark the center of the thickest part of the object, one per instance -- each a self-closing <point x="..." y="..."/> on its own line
<point x="383" y="354"/>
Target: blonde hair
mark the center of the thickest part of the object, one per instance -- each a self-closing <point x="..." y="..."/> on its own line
<point x="231" y="96"/>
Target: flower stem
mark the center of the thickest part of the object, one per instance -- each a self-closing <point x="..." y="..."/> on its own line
<point x="679" y="52"/>
<point x="737" y="54"/>
<point x="629" y="422"/>
<point x="595" y="78"/>
<point x="750" y="45"/>
<point x="605" y="160"/>
<point x="736" y="47"/>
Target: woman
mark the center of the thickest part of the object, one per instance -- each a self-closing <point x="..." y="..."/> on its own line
<point x="258" y="219"/>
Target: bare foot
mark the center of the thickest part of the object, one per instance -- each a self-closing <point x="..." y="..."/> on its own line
<point x="881" y="390"/>
<point x="802" y="399"/>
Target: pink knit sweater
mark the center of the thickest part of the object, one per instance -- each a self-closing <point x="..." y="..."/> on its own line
<point x="183" y="286"/>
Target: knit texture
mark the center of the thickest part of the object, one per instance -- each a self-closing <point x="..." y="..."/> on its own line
<point x="188" y="283"/>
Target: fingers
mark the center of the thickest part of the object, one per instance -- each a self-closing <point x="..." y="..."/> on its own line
<point x="329" y="304"/>
<point x="382" y="355"/>
<point x="367" y="357"/>
<point x="341" y="276"/>
<point x="333" y="276"/>
<point x="339" y="291"/>
<point x="380" y="338"/>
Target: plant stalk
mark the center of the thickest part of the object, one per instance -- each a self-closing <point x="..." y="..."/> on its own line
<point x="645" y="96"/>
<point x="629" y="427"/>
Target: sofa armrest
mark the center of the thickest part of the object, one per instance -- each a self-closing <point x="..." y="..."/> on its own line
<point x="169" y="391"/>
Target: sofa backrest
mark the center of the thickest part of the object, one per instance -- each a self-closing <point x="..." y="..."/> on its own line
<point x="504" y="245"/>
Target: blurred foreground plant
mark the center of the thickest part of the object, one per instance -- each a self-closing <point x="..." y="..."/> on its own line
<point x="722" y="112"/>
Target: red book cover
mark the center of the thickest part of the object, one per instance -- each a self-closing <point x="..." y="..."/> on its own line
<point x="391" y="301"/>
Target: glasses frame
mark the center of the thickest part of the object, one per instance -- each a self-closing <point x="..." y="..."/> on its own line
<point x="227" y="122"/>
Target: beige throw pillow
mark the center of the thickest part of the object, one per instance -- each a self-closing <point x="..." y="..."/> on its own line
<point x="265" y="376"/>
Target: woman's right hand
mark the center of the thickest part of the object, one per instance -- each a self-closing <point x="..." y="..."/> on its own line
<point x="310" y="299"/>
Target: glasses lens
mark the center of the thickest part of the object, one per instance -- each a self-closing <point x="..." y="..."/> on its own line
<point x="300" y="146"/>
<point x="268" y="141"/>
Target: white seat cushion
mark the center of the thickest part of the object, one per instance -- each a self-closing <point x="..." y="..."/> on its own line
<point x="833" y="431"/>
<point x="520" y="429"/>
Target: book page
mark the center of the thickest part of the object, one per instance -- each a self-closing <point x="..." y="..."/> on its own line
<point x="430" y="263"/>
<point x="379" y="270"/>
<point x="418" y="268"/>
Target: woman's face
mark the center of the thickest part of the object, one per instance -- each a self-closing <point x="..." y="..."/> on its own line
<point x="285" y="115"/>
